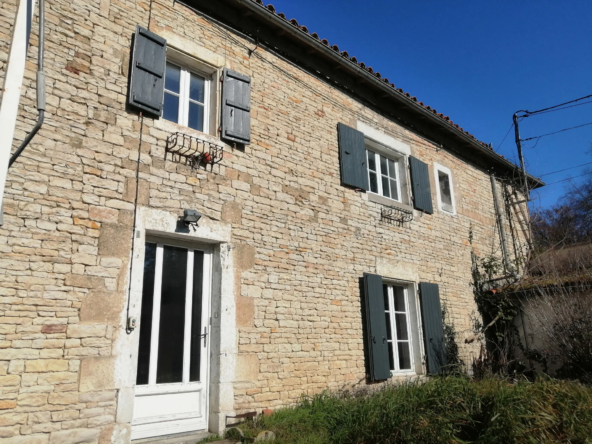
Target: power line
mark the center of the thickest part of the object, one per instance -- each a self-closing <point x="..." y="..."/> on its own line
<point x="557" y="106"/>
<point x="560" y="109"/>
<point x="565" y="169"/>
<point x="534" y="146"/>
<point x="569" y="178"/>
<point x="555" y="132"/>
<point x="504" y="139"/>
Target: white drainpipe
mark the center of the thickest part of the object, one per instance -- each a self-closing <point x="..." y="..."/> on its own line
<point x="13" y="83"/>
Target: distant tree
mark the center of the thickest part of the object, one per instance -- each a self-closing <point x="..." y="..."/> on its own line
<point x="568" y="222"/>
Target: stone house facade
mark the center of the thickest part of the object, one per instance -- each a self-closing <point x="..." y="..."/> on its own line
<point x="119" y="321"/>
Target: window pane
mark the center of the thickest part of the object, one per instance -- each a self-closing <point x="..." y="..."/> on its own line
<point x="196" y="116"/>
<point x="385" y="295"/>
<point x="389" y="333"/>
<point x="371" y="160"/>
<point x="383" y="167"/>
<point x="171" y="108"/>
<point x="172" y="315"/>
<point x="394" y="190"/>
<point x="197" y="88"/>
<point x="172" y="80"/>
<point x="196" y="327"/>
<point x="146" y="314"/>
<point x="390" y="346"/>
<point x="445" y="193"/>
<point x="401" y="326"/>
<point x="385" y="186"/>
<point x="392" y="168"/>
<point x="399" y="298"/>
<point x="373" y="182"/>
<point x="404" y="356"/>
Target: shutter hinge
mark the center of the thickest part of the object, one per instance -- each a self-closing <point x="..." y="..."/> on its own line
<point x="219" y="129"/>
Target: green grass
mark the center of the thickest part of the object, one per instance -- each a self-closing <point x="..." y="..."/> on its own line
<point x="441" y="410"/>
<point x="212" y="438"/>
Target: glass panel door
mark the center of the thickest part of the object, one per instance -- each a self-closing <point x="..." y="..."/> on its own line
<point x="172" y="337"/>
<point x="171" y="394"/>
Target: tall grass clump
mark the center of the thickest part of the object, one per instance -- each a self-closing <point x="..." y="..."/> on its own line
<point x="441" y="410"/>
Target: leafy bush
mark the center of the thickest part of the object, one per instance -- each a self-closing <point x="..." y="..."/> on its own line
<point x="441" y="410"/>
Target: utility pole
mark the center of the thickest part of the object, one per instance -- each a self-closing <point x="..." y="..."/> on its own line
<point x="520" y="156"/>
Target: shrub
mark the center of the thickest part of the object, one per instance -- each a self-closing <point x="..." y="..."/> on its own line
<point x="441" y="410"/>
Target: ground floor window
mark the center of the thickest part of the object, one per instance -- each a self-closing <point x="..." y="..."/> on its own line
<point x="396" y="304"/>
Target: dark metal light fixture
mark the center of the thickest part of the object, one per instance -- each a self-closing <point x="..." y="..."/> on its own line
<point x="191" y="217"/>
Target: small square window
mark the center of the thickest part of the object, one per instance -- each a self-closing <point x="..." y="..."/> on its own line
<point x="186" y="98"/>
<point x="444" y="189"/>
<point x="386" y="173"/>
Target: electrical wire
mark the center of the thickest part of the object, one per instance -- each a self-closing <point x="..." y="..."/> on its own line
<point x="569" y="178"/>
<point x="534" y="146"/>
<point x="504" y="139"/>
<point x="540" y="111"/>
<point x="565" y="169"/>
<point x="556" y="132"/>
<point x="560" y="109"/>
<point x="128" y="327"/>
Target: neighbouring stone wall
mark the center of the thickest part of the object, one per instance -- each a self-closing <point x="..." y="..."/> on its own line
<point x="301" y="241"/>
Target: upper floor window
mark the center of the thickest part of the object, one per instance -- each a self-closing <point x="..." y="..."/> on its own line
<point x="186" y="98"/>
<point x="387" y="172"/>
<point x="444" y="189"/>
<point x="384" y="175"/>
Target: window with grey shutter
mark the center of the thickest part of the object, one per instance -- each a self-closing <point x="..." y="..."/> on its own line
<point x="146" y="89"/>
<point x="236" y="107"/>
<point x="376" y="337"/>
<point x="420" y="185"/>
<point x="352" y="157"/>
<point x="433" y="330"/>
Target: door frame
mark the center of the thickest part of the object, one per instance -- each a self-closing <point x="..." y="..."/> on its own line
<point x="182" y="422"/>
<point x="163" y="224"/>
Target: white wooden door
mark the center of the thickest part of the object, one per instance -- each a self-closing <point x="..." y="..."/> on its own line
<point x="172" y="377"/>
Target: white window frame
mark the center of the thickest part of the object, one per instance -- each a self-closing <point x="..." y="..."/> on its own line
<point x="184" y="100"/>
<point x="401" y="160"/>
<point x="440" y="168"/>
<point x="381" y="173"/>
<point x="410" y="337"/>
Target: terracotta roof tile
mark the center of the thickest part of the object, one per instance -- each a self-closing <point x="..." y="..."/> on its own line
<point x="345" y="54"/>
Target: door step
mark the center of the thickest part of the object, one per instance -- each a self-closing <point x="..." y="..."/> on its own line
<point x="179" y="438"/>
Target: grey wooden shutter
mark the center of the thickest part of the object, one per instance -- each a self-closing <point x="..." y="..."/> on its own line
<point x="146" y="89"/>
<point x="376" y="328"/>
<point x="236" y="107"/>
<point x="420" y="185"/>
<point x="433" y="330"/>
<point x="352" y="157"/>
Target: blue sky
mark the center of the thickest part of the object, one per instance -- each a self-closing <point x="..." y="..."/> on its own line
<point x="478" y="62"/>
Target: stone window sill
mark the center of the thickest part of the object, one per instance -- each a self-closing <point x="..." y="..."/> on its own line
<point x="388" y="202"/>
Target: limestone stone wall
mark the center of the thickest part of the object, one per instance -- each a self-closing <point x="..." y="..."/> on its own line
<point x="300" y="240"/>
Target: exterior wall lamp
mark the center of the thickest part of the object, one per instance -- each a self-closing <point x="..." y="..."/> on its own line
<point x="191" y="217"/>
